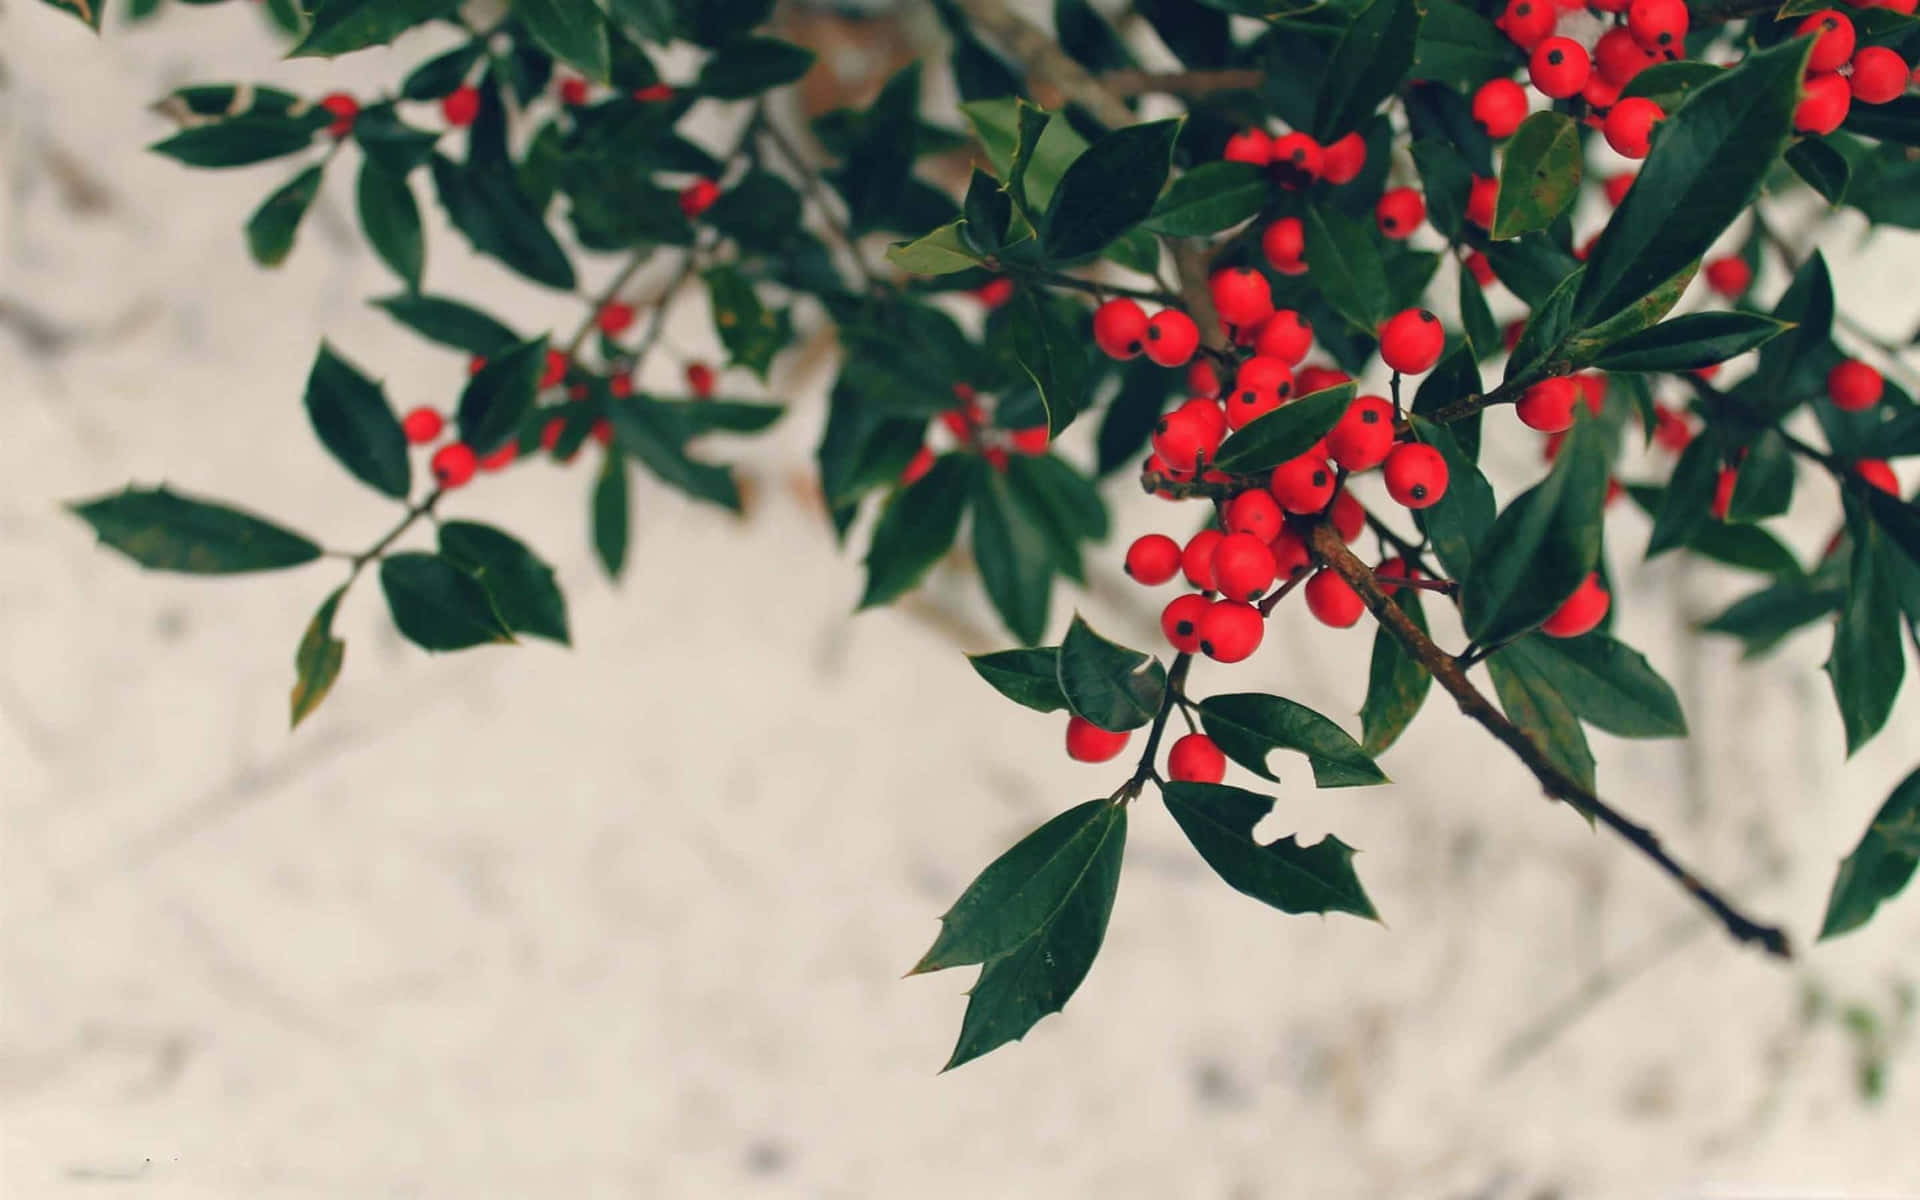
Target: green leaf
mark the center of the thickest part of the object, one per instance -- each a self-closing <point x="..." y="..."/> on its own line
<point x="1248" y="726"/>
<point x="1446" y="179"/>
<point x="1049" y="903"/>
<point x="573" y="31"/>
<point x="1053" y="354"/>
<point x="1208" y="199"/>
<point x="1454" y="378"/>
<point x="1764" y="486"/>
<point x="1762" y="620"/>
<point x="707" y="22"/>
<point x="1458" y="522"/>
<point x="1396" y="682"/>
<point x="166" y="531"/>
<point x="1689" y="498"/>
<point x="747" y="66"/>
<point x="392" y="221"/>
<point x="1706" y="166"/>
<point x="1794" y="366"/>
<point x="1668" y="84"/>
<point x="1027" y="677"/>
<point x="1606" y="683"/>
<point x="1748" y="547"/>
<point x="353" y="420"/>
<point x="1880" y="866"/>
<point x="1540" y="709"/>
<point x="238" y="141"/>
<point x="751" y="332"/>
<point x="1823" y="168"/>
<point x="917" y="526"/>
<point x="1346" y="264"/>
<point x="1108" y="190"/>
<point x="1285" y="433"/>
<point x="1219" y="821"/>
<point x="1696" y="340"/>
<point x="317" y="661"/>
<point x="1132" y="414"/>
<point x="88" y="11"/>
<point x="1867" y="664"/>
<point x="271" y="228"/>
<point x="522" y="588"/>
<point x="1539" y="174"/>
<point x="488" y="207"/>
<point x="441" y="74"/>
<point x="1543" y="546"/>
<point x="610" y="515"/>
<point x="1105" y="683"/>
<point x="1542" y="344"/>
<point x="1014" y="557"/>
<point x="497" y="399"/>
<point x="1898" y="519"/>
<point x="449" y="322"/>
<point x="342" y="26"/>
<point x="652" y="433"/>
<point x="438" y="606"/>
<point x="1459" y="47"/>
<point x="1367" y="64"/>
<point x="880" y="162"/>
<point x="942" y="252"/>
<point x="399" y="147"/>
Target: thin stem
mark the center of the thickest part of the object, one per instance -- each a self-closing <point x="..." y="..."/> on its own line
<point x="1170" y="700"/>
<point x="1555" y="782"/>
<point x="414" y="513"/>
<point x="1278" y="594"/>
<point x="1093" y="287"/>
<point x="606" y="296"/>
<point x="810" y="183"/>
<point x="1182" y="83"/>
<point x="1043" y="59"/>
<point x="1155" y="483"/>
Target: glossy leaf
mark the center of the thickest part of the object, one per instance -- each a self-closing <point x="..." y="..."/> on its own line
<point x="1821" y="167"/>
<point x="1539" y="174"/>
<point x="1866" y="665"/>
<point x="1027" y="677"/>
<point x="747" y="66"/>
<point x="271" y="228"/>
<point x="1248" y="726"/>
<point x="317" y="660"/>
<point x="1108" y="189"/>
<point x="449" y="322"/>
<point x="1053" y="354"/>
<point x="1537" y="706"/>
<point x="1697" y="340"/>
<point x="163" y="530"/>
<point x="342" y="26"/>
<point x="1793" y="367"/>
<point x="391" y="218"/>
<point x="238" y="141"/>
<point x="1208" y="199"/>
<point x="651" y="433"/>
<point x="1285" y="433"/>
<point x="1459" y="521"/>
<point x="497" y="398"/>
<point x="1105" y="683"/>
<point x="1367" y="64"/>
<point x="880" y="161"/>
<point x="522" y="588"/>
<point x="488" y="207"/>
<point x="437" y="606"/>
<point x="611" y="519"/>
<point x="1459" y="47"/>
<point x="751" y="332"/>
<point x="573" y="31"/>
<point x="353" y="420"/>
<point x="942" y="252"/>
<point x="1764" y="486"/>
<point x="916" y="528"/>
<point x="1689" y="496"/>
<point x="1011" y="549"/>
<point x="1396" y="682"/>
<point x="1606" y="683"/>
<point x="1293" y="878"/>
<point x="1346" y="264"/>
<point x="1881" y="864"/>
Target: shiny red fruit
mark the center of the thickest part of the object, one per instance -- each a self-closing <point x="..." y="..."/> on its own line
<point x="1243" y="567"/>
<point x="1256" y="512"/>
<point x="1251" y="146"/>
<point x="1879" y="75"/>
<point x="1363" y="437"/>
<point x="422" y="425"/>
<point x="1548" y="405"/>
<point x="1286" y="335"/>
<point x="1241" y="295"/>
<point x="1344" y="159"/>
<point x="1333" y="601"/>
<point x="1660" y="25"/>
<point x="1629" y="127"/>
<point x="1153" y="559"/>
<point x="1303" y="485"/>
<point x="1411" y="341"/>
<point x="1180" y="621"/>
<point x="344" y="108"/>
<point x="1087" y="742"/>
<point x="1854" y="385"/>
<point x="461" y="105"/>
<point x="1195" y="759"/>
<point x="698" y="196"/>
<point x="1559" y="67"/>
<point x="1499" y="106"/>
<point x="1416" y="475"/>
<point x="1729" y="276"/>
<point x="1400" y="212"/>
<point x="1196" y="561"/>
<point x="1824" y="102"/>
<point x="1172" y="337"/>
<point x="1120" y="328"/>
<point x="1581" y="612"/>
<point x="1231" y="630"/>
<point x="453" y="465"/>
<point x="1285" y="246"/>
<point x="1295" y="160"/>
<point x="1833" y="39"/>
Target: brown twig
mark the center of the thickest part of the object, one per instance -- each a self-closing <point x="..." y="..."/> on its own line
<point x="1182" y="83"/>
<point x="1328" y="548"/>
<point x="1035" y="50"/>
<point x="1170" y="700"/>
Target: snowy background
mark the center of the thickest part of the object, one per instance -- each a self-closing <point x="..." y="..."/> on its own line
<point x="630" y="920"/>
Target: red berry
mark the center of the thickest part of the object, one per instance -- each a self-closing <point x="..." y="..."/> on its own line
<point x="1202" y="379"/>
<point x="1295" y="161"/>
<point x="1400" y="212"/>
<point x="1196" y="561"/>
<point x="1243" y="566"/>
<point x="1629" y="127"/>
<point x="1877" y="473"/>
<point x="1030" y="441"/>
<point x="461" y="105"/>
<point x="1499" y="106"/>
<point x="1480" y="268"/>
<point x="1213" y="422"/>
<point x="1265" y="374"/>
<point x="1231" y="630"/>
<point x="1559" y="67"/>
<point x="453" y="464"/>
<point x="994" y="292"/>
<point x="1286" y="335"/>
<point x="1308" y="380"/>
<point x="698" y="196"/>
<point x="620" y="385"/>
<point x="1285" y="245"/>
<point x="1153" y="559"/>
<point x="502" y="458"/>
<point x="1290" y="555"/>
<point x="1120" y="328"/>
<point x="1581" y="612"/>
<point x="1832" y="39"/>
<point x="1343" y="160"/>
<point x="700" y="379"/>
<point x="344" y="109"/>
<point x="653" y="93"/>
<point x="1303" y="485"/>
<point x="1348" y="516"/>
<point x="422" y="425"/>
<point x="1824" y="102"/>
<point x="1879" y="75"/>
<point x="1087" y="742"/>
<point x="1389" y="572"/>
<point x="1853" y="386"/>
<point x="1416" y="475"/>
<point x="1618" y="58"/>
<point x="1361" y="439"/>
<point x="1483" y="195"/>
<point x="573" y="91"/>
<point x="917" y="467"/>
<point x="1723" y="486"/>
<point x="1256" y="512"/>
<point x="1670" y="429"/>
<point x="1411" y="341"/>
<point x="1729" y="276"/>
<point x="614" y="318"/>
<point x="1600" y="93"/>
<point x="1333" y="601"/>
<point x="1661" y="25"/>
<point x="1592" y="387"/>
<point x="1528" y="22"/>
<point x="1195" y="759"/>
<point x="1172" y="337"/>
<point x="1182" y="440"/>
<point x="1180" y="621"/>
<point x="1548" y="405"/>
<point x="1251" y="146"/>
<point x="1241" y="295"/>
<point x="551" y="431"/>
<point x="1617" y="185"/>
<point x="476" y="364"/>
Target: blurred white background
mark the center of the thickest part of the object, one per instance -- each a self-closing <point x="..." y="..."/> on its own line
<point x="630" y="920"/>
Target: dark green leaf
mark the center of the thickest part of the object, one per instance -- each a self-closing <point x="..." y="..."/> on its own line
<point x="238" y="141"/>
<point x="1396" y="682"/>
<point x="1446" y="179"/>
<point x="1285" y="433"/>
<point x="449" y="322"/>
<point x="1455" y="378"/>
<point x="1108" y="189"/>
<point x="610" y="515"/>
<point x="751" y="332"/>
<point x="1824" y="169"/>
<point x="342" y="26"/>
<point x="437" y="606"/>
<point x="1696" y="340"/>
<point x="1764" y="486"/>
<point x="490" y="209"/>
<point x="1367" y="65"/>
<point x="916" y="528"/>
<point x="1248" y="726"/>
<point x="271" y="229"/>
<point x="880" y="161"/>
<point x="1532" y="266"/>
<point x="522" y="588"/>
<point x="440" y="75"/>
<point x="1132" y="414"/>
<point x="1608" y="684"/>
<point x="1689" y="498"/>
<point x="1346" y="263"/>
<point x="399" y="147"/>
<point x="1015" y="560"/>
<point x="1762" y="620"/>
<point x="1539" y="174"/>
<point x="317" y="661"/>
<point x="1111" y="686"/>
<point x="1867" y="664"/>
<point x="353" y="420"/>
<point x="166" y="531"/>
<point x="1543" y="546"/>
<point x="1707" y="163"/>
<point x="1459" y="47"/>
<point x="761" y="211"/>
<point x="573" y="31"/>
<point x="747" y="66"/>
<point x="1532" y="702"/>
<point x="1668" y="84"/>
<point x="497" y="399"/>
<point x="943" y="252"/>
<point x="392" y="220"/>
<point x="1053" y="354"/>
<point x="651" y="432"/>
<point x="1026" y="677"/>
<point x="1898" y="519"/>
<point x="1897" y="121"/>
<point x="1880" y="866"/>
<point x="1458" y="522"/>
<point x="1794" y="366"/>
<point x="1219" y="821"/>
<point x="707" y="22"/>
<point x="1211" y="197"/>
<point x="1541" y="350"/>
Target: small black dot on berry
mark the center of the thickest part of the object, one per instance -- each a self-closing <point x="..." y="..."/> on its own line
<point x="1419" y="491"/>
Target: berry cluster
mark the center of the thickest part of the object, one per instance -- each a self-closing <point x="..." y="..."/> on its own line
<point x="971" y="427"/>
